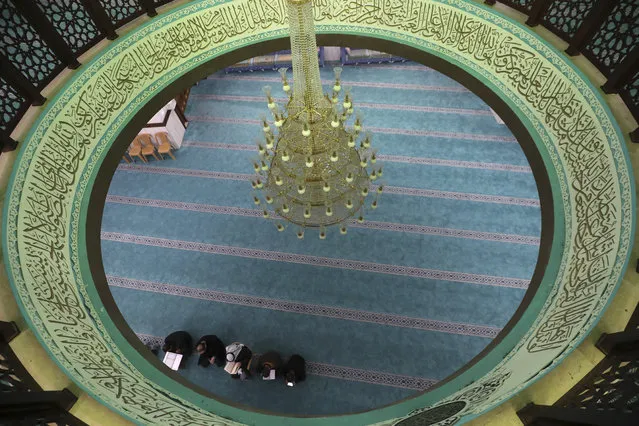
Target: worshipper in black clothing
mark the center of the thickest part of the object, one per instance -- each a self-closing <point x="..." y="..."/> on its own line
<point x="179" y="342"/>
<point x="294" y="370"/>
<point x="211" y="350"/>
<point x="270" y="361"/>
<point x="238" y="358"/>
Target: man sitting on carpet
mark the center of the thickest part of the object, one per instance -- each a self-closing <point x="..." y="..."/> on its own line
<point x="295" y="370"/>
<point x="179" y="342"/>
<point x="238" y="359"/>
<point x="269" y="365"/>
<point x="211" y="350"/>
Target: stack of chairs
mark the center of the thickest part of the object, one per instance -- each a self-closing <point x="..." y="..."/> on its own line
<point x="143" y="146"/>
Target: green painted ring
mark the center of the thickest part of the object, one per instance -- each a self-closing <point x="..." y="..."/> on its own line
<point x="580" y="144"/>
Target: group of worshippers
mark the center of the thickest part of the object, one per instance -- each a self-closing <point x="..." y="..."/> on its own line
<point x="236" y="358"/>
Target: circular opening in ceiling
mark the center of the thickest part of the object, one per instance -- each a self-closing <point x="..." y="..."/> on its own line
<point x="386" y="312"/>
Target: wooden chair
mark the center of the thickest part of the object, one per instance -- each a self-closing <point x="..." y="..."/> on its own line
<point x="165" y="145"/>
<point x="135" y="150"/>
<point x="147" y="145"/>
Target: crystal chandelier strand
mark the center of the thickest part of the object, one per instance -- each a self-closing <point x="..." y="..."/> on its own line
<point x="307" y="86"/>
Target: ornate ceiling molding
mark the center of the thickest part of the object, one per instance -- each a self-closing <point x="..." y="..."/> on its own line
<point x="581" y="146"/>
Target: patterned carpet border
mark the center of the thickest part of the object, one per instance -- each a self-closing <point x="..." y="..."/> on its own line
<point x="328" y="262"/>
<point x="338" y="372"/>
<point x="382" y="157"/>
<point x="383" y="226"/>
<point x="402" y="86"/>
<point x="369" y="105"/>
<point x="429" y="193"/>
<point x="306" y="308"/>
<point x="384" y="130"/>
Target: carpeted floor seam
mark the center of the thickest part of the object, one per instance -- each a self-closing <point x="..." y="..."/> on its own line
<point x="306" y="308"/>
<point x="317" y="260"/>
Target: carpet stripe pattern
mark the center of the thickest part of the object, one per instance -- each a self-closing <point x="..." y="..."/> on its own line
<point x="386" y="226"/>
<point x="382" y="157"/>
<point x="305" y="308"/>
<point x="327" y="262"/>
<point x="417" y="192"/>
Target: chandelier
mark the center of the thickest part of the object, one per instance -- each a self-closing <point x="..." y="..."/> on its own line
<point x="316" y="167"/>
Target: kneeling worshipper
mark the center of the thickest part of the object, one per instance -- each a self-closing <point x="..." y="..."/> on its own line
<point x="269" y="365"/>
<point x="294" y="370"/>
<point x="177" y="343"/>
<point x="238" y="360"/>
<point x="211" y="350"/>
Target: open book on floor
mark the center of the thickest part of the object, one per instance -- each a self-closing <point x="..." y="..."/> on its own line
<point x="172" y="360"/>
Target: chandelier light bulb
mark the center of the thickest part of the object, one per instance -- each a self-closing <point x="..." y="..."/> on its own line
<point x="374" y="205"/>
<point x="347" y="102"/>
<point x="335" y="98"/>
<point x="307" y="212"/>
<point x="285" y="86"/>
<point x="259" y="184"/>
<point x="363" y="162"/>
<point x="364" y="192"/>
<point x="373" y="176"/>
<point x="260" y="149"/>
<point x="322" y="235"/>
<point x="285" y="156"/>
<point x="351" y="141"/>
<point x="266" y="214"/>
<point x="264" y="165"/>
<point x="380" y="189"/>
<point x="360" y="219"/>
<point x="334" y="156"/>
<point x="329" y="211"/>
<point x="269" y="141"/>
<point x="349" y="204"/>
<point x="338" y="73"/>
<point x="342" y="230"/>
<point x="367" y="140"/>
<point x="279" y="120"/>
<point x="280" y="227"/>
<point x="357" y="126"/>
<point x="270" y="102"/>
<point x="278" y="181"/>
<point x="349" y="177"/>
<point x="256" y="201"/>
<point x="380" y="172"/>
<point x="335" y="121"/>
<point x="256" y="167"/>
<point x="306" y="131"/>
<point x="300" y="234"/>
<point x="326" y="187"/>
<point x="265" y="126"/>
<point x="285" y="208"/>
<point x="301" y="189"/>
<point x="373" y="158"/>
<point x="254" y="184"/>
<point x="309" y="161"/>
<point x="269" y="199"/>
<point x="350" y="110"/>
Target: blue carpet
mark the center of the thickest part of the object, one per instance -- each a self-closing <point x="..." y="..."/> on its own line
<point x="432" y="275"/>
